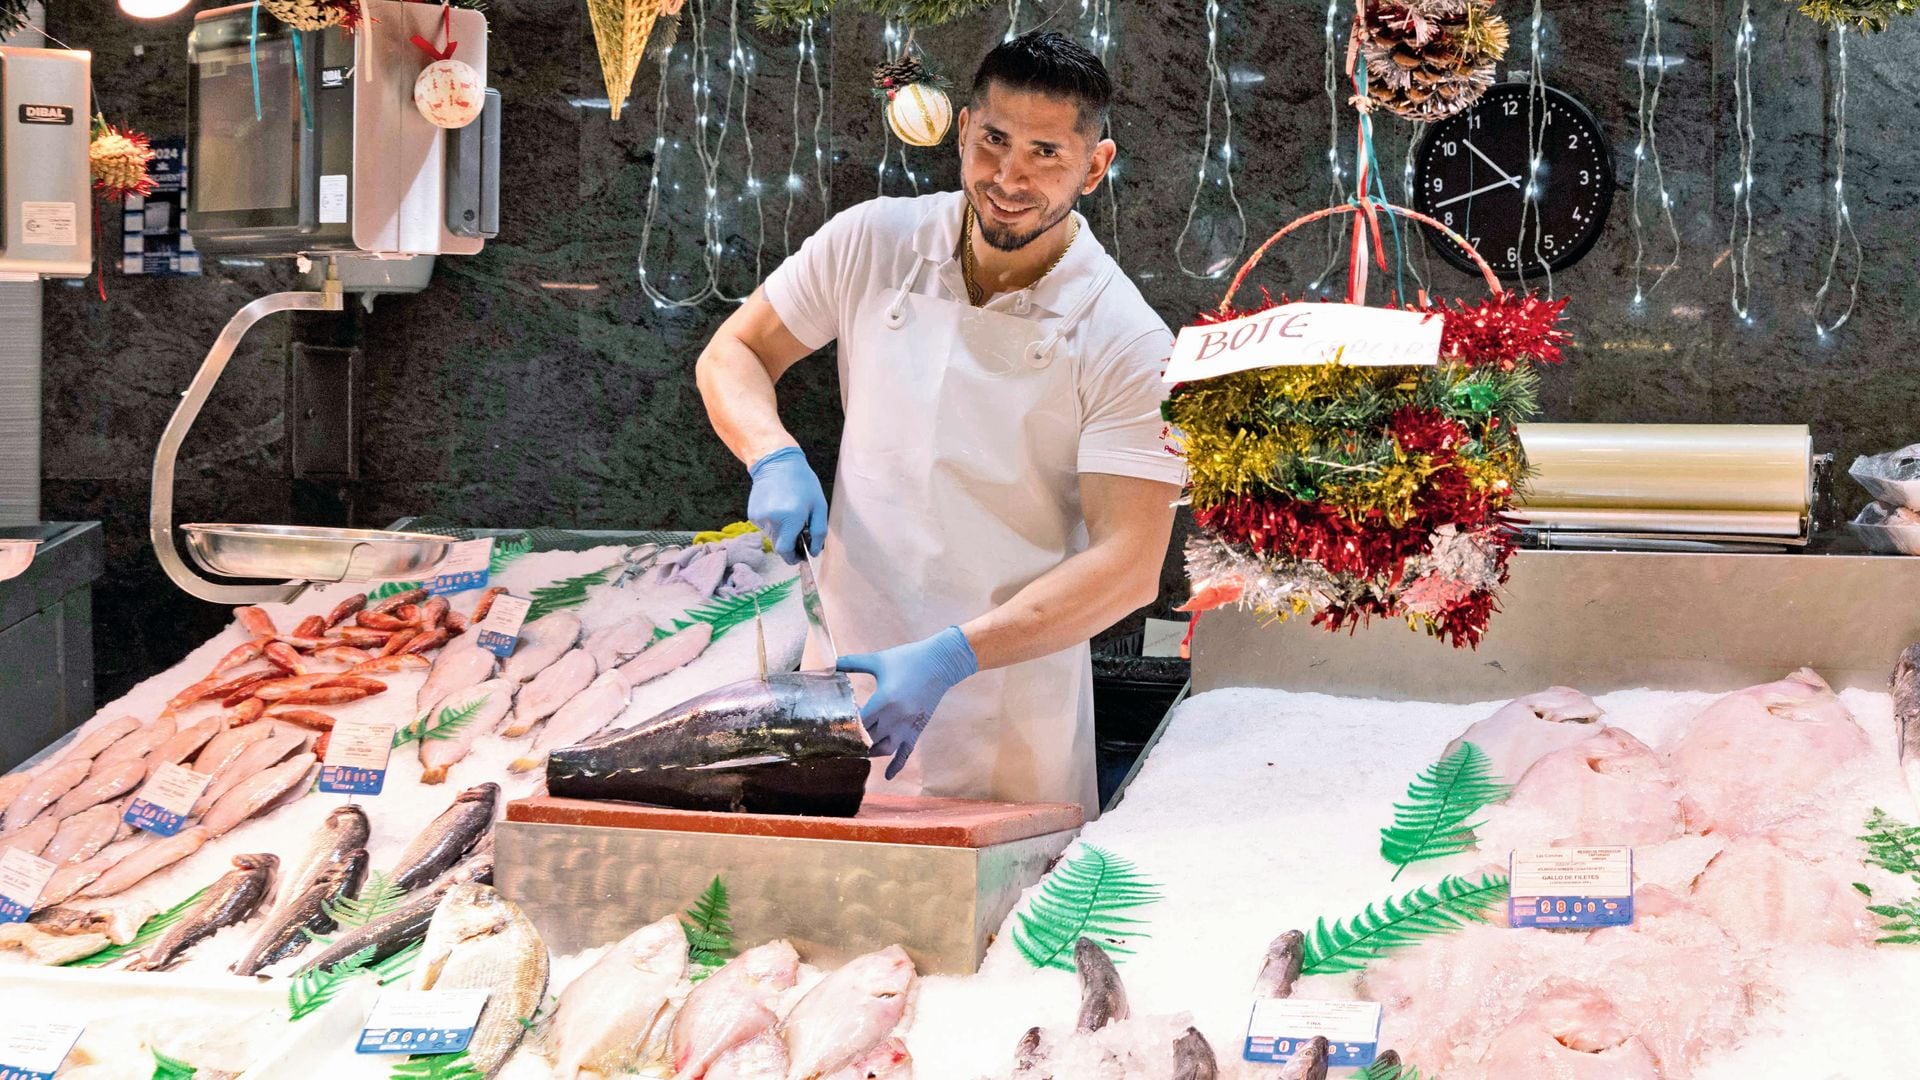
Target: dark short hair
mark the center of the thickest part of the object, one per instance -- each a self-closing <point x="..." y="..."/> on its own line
<point x="1051" y="63"/>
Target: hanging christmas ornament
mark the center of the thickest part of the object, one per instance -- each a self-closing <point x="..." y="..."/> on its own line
<point x="620" y="32"/>
<point x="13" y="17"/>
<point x="118" y="160"/>
<point x="1866" y="16"/>
<point x="448" y="92"/>
<point x="917" y="109"/>
<point x="1428" y="59"/>
<point x="314" y="14"/>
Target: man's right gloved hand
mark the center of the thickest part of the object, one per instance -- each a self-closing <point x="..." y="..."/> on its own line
<point x="787" y="500"/>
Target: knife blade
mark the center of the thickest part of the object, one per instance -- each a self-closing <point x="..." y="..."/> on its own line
<point x="810" y="599"/>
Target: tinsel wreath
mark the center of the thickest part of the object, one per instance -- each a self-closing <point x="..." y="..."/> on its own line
<point x="1866" y="16"/>
<point x="1353" y="491"/>
<point x="1428" y="59"/>
<point x="790" y="14"/>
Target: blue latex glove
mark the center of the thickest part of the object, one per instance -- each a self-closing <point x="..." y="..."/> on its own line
<point x="913" y="678"/>
<point x="786" y="501"/>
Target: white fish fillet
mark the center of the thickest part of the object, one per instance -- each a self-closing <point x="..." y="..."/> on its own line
<point x="252" y="761"/>
<point x="1754" y="889"/>
<point x="734" y="1005"/>
<point x="107" y="781"/>
<point x="90" y="745"/>
<point x="139" y="744"/>
<point x="40" y="947"/>
<point x="542" y="641"/>
<point x="671" y="654"/>
<point x="150" y="859"/>
<point x="43" y="791"/>
<point x="619" y="643"/>
<point x="83" y="835"/>
<point x="494" y="698"/>
<point x="1608" y="789"/>
<point x="1529" y="728"/>
<point x="888" y="1061"/>
<point x="590" y="710"/>
<point x="852" y="1011"/>
<point x="459" y="665"/>
<point x="549" y="690"/>
<point x="763" y="1058"/>
<point x="604" y="1019"/>
<point x="257" y="792"/>
<point x="34" y="838"/>
<point x="221" y="751"/>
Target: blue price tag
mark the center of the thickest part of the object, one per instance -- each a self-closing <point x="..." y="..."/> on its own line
<point x="414" y="1040"/>
<point x="421" y="1022"/>
<point x="12" y="910"/>
<point x="8" y="1072"/>
<point x="22" y="878"/>
<point x="465" y="567"/>
<point x="341" y="780"/>
<point x="166" y="800"/>
<point x="1570" y="888"/>
<point x="1280" y="1028"/>
<point x="500" y="630"/>
<point x="155" y="819"/>
<point x="1339" y="1055"/>
<point x="495" y="642"/>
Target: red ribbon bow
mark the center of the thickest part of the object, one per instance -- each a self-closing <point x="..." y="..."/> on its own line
<point x="446" y="31"/>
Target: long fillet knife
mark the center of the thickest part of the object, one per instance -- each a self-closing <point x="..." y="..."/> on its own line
<point x="810" y="600"/>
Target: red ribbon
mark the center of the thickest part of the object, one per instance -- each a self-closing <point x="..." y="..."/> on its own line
<point x="446" y="31"/>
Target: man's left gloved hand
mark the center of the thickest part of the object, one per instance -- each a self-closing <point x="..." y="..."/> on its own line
<point x="912" y="679"/>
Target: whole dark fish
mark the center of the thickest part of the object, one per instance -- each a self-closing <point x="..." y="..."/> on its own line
<point x="306" y="910"/>
<point x="233" y="899"/>
<point x="1282" y="969"/>
<point x="1102" y="998"/>
<point x="1026" y="1056"/>
<point x="448" y="838"/>
<point x="1906" y="713"/>
<point x="1193" y="1058"/>
<point x="1308" y="1064"/>
<point x="789" y="744"/>
<point x="1386" y="1066"/>
<point x="407" y="923"/>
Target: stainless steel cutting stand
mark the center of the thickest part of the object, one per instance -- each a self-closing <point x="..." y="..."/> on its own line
<point x="936" y="876"/>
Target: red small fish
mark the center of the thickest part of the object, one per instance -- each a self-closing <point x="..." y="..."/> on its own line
<point x="371" y="686"/>
<point x="359" y="637"/>
<point x="196" y="692"/>
<point x="256" y="620"/>
<point x="280" y="688"/>
<point x="433" y="613"/>
<point x="485" y="604"/>
<point x="455" y="623"/>
<point x="346" y="608"/>
<point x="245" y="713"/>
<point x="307" y="718"/>
<point x="311" y="626"/>
<point x="399" y="642"/>
<point x="411" y="596"/>
<point x="285" y="657"/>
<point x="343" y="654"/>
<point x="320" y="744"/>
<point x="385" y="664"/>
<point x="241" y="654"/>
<point x="432" y="639"/>
<point x="329" y="695"/>
<point x="375" y="620"/>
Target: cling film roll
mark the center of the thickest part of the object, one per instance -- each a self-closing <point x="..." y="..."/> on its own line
<point x="1751" y="468"/>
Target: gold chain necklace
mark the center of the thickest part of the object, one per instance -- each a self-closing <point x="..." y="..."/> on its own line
<point x="977" y="293"/>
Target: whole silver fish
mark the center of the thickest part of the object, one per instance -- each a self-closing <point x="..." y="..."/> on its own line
<point x="1906" y="713"/>
<point x="1102" y="998"/>
<point x="789" y="744"/>
<point x="479" y="940"/>
<point x="1193" y="1058"/>
<point x="1282" y="968"/>
<point x="344" y="832"/>
<point x="407" y="923"/>
<point x="231" y="900"/>
<point x="448" y="837"/>
<point x="542" y="641"/>
<point x="1027" y="1056"/>
<point x="1308" y="1064"/>
<point x="304" y="912"/>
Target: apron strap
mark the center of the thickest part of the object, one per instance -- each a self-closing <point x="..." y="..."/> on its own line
<point x="1040" y="353"/>
<point x="897" y="311"/>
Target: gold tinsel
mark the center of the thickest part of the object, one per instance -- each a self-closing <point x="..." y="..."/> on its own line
<point x="308" y="14"/>
<point x="620" y="32"/>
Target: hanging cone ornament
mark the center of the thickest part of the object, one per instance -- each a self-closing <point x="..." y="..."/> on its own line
<point x="118" y="160"/>
<point x="620" y="32"/>
<point x="314" y="14"/>
<point x="917" y="109"/>
<point x="1428" y="59"/>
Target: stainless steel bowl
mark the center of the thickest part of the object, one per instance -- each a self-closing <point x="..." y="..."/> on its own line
<point x="312" y="554"/>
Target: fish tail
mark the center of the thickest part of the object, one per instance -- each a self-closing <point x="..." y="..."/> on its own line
<point x="516" y="727"/>
<point x="527" y="764"/>
<point x="433" y="774"/>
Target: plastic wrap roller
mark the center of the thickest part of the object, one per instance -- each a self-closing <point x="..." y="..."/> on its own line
<point x="1601" y="483"/>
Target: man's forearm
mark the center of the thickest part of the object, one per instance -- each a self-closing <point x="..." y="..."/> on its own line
<point x="740" y="399"/>
<point x="1065" y="606"/>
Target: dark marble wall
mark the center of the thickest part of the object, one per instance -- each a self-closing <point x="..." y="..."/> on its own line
<point x="539" y="383"/>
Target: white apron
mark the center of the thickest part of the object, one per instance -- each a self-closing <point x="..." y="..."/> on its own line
<point x="958" y="485"/>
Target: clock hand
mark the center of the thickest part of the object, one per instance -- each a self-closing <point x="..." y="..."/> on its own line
<point x="1511" y="181"/>
<point x="1488" y="160"/>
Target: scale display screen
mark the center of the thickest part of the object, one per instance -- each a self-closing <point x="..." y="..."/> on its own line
<point x="249" y="157"/>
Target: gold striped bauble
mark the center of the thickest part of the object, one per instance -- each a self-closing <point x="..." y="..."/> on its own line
<point x="919" y="114"/>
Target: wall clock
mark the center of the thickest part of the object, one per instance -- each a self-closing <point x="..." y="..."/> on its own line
<point x="1470" y="172"/>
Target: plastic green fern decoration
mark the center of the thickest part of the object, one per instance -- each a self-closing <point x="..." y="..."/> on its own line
<point x="570" y="592"/>
<point x="1349" y="944"/>
<point x="724" y="615"/>
<point x="398" y="966"/>
<point x="709" y="927"/>
<point x="1434" y="821"/>
<point x="166" y="1068"/>
<point x="444" y="726"/>
<point x="1390" y="1070"/>
<point x="309" y="991"/>
<point x="1892" y="845"/>
<point x="392" y="588"/>
<point x="148" y="933"/>
<point x="1899" y="923"/>
<point x="436" y="1067"/>
<point x="379" y="897"/>
<point x="505" y="551"/>
<point x="1088" y="896"/>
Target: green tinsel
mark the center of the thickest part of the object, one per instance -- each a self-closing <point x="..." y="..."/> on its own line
<point x="1867" y="16"/>
<point x="789" y="14"/>
<point x="13" y="17"/>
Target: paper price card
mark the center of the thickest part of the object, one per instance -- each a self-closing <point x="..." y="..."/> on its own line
<point x="357" y="758"/>
<point x="421" y="1021"/>
<point x="1571" y="888"/>
<point x="465" y="567"/>
<point x="166" y="799"/>
<point x="1282" y="1027"/>
<point x="1295" y="335"/>
<point x="498" y="632"/>
<point x="22" y="876"/>
<point x="35" y="1051"/>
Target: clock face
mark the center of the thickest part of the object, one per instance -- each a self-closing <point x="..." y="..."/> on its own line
<point x="1470" y="173"/>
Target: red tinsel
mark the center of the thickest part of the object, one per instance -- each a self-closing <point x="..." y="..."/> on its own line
<point x="1504" y="331"/>
<point x="1424" y="431"/>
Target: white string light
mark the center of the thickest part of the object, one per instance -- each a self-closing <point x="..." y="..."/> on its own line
<point x="1335" y="95"/>
<point x="1646" y="150"/>
<point x="1537" y="114"/>
<point x="899" y="45"/>
<point x="806" y="59"/>
<point x="1842" y="217"/>
<point x="1099" y="35"/>
<point x="1013" y="20"/>
<point x="1217" y="88"/>
<point x="1422" y="271"/>
<point x="1740" y="243"/>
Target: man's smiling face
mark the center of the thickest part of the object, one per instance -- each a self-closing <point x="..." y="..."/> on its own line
<point x="1024" y="158"/>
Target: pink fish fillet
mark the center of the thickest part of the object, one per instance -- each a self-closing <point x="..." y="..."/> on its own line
<point x="888" y="1061"/>
<point x="185" y="743"/>
<point x="1768" y="896"/>
<point x="144" y="863"/>
<point x="107" y="781"/>
<point x="12" y="784"/>
<point x="1762" y="759"/>
<point x="35" y="837"/>
<point x="670" y="654"/>
<point x="69" y="880"/>
<point x="221" y="751"/>
<point x="43" y="791"/>
<point x="139" y="744"/>
<point x="549" y="690"/>
<point x="1537" y="1053"/>
<point x="852" y="1011"/>
<point x="542" y="641"/>
<point x="1529" y="728"/>
<point x="600" y="704"/>
<point x="256" y="793"/>
<point x="90" y="745"/>
<point x="459" y="665"/>
<point x="493" y="699"/>
<point x="83" y="835"/>
<point x="1608" y="789"/>
<point x="733" y="1006"/>
<point x="763" y="1058"/>
<point x="253" y="761"/>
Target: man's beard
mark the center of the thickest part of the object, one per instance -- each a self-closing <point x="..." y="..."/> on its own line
<point x="1002" y="238"/>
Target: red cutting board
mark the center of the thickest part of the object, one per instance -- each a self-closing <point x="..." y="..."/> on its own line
<point x="883" y="819"/>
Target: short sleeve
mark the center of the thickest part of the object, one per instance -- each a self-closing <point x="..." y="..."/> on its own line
<point x="1122" y="432"/>
<point x="808" y="290"/>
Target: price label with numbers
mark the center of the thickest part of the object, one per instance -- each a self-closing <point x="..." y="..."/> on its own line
<point x="421" y="1022"/>
<point x="166" y="800"/>
<point x="500" y="630"/>
<point x="22" y="876"/>
<point x="1570" y="888"/>
<point x="357" y="757"/>
<point x="1281" y="1028"/>
<point x="35" y="1051"/>
<point x="465" y="567"/>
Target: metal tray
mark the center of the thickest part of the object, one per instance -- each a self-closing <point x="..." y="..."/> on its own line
<point x="312" y="554"/>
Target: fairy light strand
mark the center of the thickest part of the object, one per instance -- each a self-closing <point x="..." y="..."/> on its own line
<point x="1647" y="150"/>
<point x="1423" y="269"/>
<point x="1099" y="35"/>
<point x="1740" y="242"/>
<point x="1337" y="193"/>
<point x="1842" y="216"/>
<point x="899" y="46"/>
<point x="806" y="59"/>
<point x="1537" y="114"/>
<point x="1217" y="89"/>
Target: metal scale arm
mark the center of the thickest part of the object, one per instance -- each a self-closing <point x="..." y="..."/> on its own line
<point x="160" y="521"/>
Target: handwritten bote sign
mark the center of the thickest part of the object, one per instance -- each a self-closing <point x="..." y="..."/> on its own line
<point x="1299" y="335"/>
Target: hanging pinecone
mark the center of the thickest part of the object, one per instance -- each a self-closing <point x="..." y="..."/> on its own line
<point x="895" y="74"/>
<point x="1429" y="59"/>
<point x="314" y="14"/>
<point x="13" y="17"/>
<point x="118" y="160"/>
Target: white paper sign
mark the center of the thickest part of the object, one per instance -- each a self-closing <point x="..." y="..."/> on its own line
<point x="357" y="755"/>
<point x="1282" y="1027"/>
<point x="1296" y="335"/>
<point x="36" y="1050"/>
<point x="22" y="876"/>
<point x="465" y="567"/>
<point x="501" y="628"/>
<point x="166" y="800"/>
<point x="52" y="224"/>
<point x="1570" y="888"/>
<point x="333" y="199"/>
<point x="421" y="1021"/>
